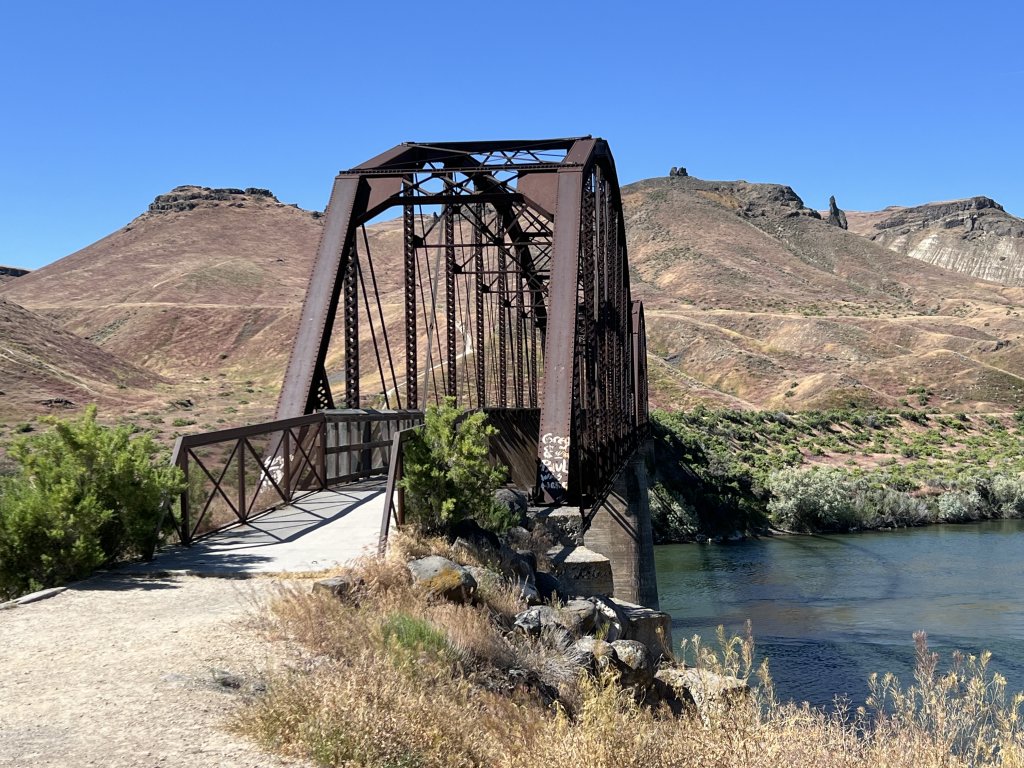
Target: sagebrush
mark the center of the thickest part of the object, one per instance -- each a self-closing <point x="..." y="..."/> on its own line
<point x="83" y="496"/>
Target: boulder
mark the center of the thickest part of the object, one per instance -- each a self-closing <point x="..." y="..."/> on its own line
<point x="512" y="500"/>
<point x="545" y="622"/>
<point x="549" y="587"/>
<point x="594" y="654"/>
<point x="580" y="616"/>
<point x="638" y="667"/>
<point x="440" y="577"/>
<point x="707" y="691"/>
<point x="485" y="578"/>
<point x="528" y="591"/>
<point x="478" y="542"/>
<point x="611" y="622"/>
<point x="520" y="568"/>
<point x="341" y="587"/>
<point x="517" y="537"/>
<point x="648" y="626"/>
<point x="534" y="620"/>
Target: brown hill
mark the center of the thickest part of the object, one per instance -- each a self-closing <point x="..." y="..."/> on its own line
<point x="43" y="366"/>
<point x="974" y="236"/>
<point x="9" y="273"/>
<point x="205" y="281"/>
<point x="753" y="300"/>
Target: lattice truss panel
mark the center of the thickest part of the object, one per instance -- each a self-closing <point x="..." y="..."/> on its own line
<point x="448" y="300"/>
<point x="503" y="283"/>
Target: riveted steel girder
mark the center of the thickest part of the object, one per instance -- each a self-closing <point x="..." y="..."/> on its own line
<point x="514" y="295"/>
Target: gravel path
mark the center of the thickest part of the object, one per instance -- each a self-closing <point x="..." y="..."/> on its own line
<point x="123" y="671"/>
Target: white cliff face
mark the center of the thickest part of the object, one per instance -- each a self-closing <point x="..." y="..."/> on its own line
<point x="989" y="257"/>
<point x="975" y="236"/>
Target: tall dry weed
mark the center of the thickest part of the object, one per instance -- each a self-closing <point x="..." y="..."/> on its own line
<point x="402" y="681"/>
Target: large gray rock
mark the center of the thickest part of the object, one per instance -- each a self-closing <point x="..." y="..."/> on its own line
<point x="549" y="587"/>
<point x="440" y="577"/>
<point x="536" y="619"/>
<point x="485" y="578"/>
<point x="520" y="567"/>
<point x="512" y="500"/>
<point x="544" y="622"/>
<point x="341" y="587"/>
<point x="594" y="654"/>
<point x="580" y="616"/>
<point x="637" y="663"/>
<point x="650" y="627"/>
<point x="612" y="622"/>
<point x="709" y="692"/>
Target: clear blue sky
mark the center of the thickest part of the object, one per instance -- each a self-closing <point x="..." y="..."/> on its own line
<point x="107" y="104"/>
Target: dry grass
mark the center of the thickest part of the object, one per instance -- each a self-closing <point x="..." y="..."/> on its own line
<point x="388" y="678"/>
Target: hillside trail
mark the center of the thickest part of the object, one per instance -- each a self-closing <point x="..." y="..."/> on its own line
<point x="124" y="671"/>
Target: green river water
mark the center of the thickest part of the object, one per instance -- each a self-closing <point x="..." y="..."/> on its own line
<point x="829" y="610"/>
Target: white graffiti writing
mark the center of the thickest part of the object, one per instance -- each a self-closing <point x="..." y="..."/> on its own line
<point x="554" y="460"/>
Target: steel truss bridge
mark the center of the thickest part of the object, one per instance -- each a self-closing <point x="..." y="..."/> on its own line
<point x="515" y="299"/>
<point x="504" y="285"/>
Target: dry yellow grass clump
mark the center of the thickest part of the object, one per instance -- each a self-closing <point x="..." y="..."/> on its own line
<point x="387" y="677"/>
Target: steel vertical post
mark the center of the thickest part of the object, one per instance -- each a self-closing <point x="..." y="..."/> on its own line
<point x="481" y="285"/>
<point x="449" y="289"/>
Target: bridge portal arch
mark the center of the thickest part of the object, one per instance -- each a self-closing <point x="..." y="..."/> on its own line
<point x="503" y="283"/>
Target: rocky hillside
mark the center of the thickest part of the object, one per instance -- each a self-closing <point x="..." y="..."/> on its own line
<point x="753" y="299"/>
<point x="207" y="280"/>
<point x="45" y="367"/>
<point x="9" y="273"/>
<point x="974" y="236"/>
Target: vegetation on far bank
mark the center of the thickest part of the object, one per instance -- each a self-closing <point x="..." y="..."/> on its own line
<point x="719" y="471"/>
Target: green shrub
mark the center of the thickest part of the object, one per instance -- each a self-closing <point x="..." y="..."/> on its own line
<point x="811" y="500"/>
<point x="447" y="475"/>
<point x="85" y="496"/>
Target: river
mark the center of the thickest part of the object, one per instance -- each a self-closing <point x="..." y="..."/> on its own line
<point x="828" y="610"/>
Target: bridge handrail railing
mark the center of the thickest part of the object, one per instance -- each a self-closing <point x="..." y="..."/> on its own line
<point x="394" y="494"/>
<point x="232" y="475"/>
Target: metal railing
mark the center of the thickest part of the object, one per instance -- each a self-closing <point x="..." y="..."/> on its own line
<point x="394" y="494"/>
<point x="233" y="475"/>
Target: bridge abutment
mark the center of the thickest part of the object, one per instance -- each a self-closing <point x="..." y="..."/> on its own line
<point x="621" y="531"/>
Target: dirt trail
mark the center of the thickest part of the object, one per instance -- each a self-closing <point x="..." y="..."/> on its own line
<point x="120" y="671"/>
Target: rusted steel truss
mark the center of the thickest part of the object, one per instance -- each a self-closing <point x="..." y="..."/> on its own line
<point x="504" y="284"/>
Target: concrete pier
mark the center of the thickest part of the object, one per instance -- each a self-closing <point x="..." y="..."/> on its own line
<point x="621" y="531"/>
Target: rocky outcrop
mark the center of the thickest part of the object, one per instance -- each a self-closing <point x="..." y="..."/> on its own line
<point x="975" y="236"/>
<point x="10" y="273"/>
<point x="187" y="197"/>
<point x="836" y="216"/>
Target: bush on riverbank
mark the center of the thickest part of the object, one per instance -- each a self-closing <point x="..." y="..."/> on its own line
<point x="719" y="471"/>
<point x="388" y="678"/>
<point x="83" y="496"/>
<point x="448" y="477"/>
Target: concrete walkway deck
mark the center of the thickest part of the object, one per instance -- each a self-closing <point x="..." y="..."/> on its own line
<point x="321" y="530"/>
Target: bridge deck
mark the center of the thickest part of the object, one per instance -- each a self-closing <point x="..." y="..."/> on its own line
<point x="321" y="530"/>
